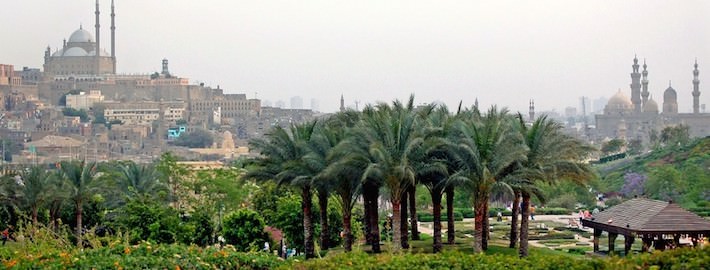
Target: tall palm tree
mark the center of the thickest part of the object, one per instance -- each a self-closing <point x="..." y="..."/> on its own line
<point x="344" y="169"/>
<point x="552" y="155"/>
<point x="432" y="162"/>
<point x="487" y="149"/>
<point x="282" y="160"/>
<point x="34" y="189"/>
<point x="390" y="133"/>
<point x="83" y="184"/>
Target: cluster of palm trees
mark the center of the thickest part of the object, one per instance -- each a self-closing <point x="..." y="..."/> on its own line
<point x="392" y="148"/>
<point x="75" y="182"/>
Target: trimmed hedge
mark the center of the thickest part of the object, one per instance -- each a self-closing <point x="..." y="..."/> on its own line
<point x="673" y="259"/>
<point x="429" y="217"/>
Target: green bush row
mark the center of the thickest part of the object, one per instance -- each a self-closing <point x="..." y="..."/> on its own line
<point x="674" y="259"/>
<point x="429" y="217"/>
<point x="175" y="256"/>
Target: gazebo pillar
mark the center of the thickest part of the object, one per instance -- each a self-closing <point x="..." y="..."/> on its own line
<point x="659" y="243"/>
<point x="628" y="241"/>
<point x="612" y="239"/>
<point x="694" y="240"/>
<point x="646" y="243"/>
<point x="597" y="234"/>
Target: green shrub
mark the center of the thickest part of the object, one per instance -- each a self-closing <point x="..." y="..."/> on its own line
<point x="245" y="230"/>
<point x="429" y="217"/>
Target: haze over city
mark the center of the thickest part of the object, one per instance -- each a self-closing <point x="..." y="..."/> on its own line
<point x="501" y="52"/>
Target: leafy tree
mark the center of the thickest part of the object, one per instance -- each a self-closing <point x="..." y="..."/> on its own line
<point x="245" y="230"/>
<point x="83" y="115"/>
<point x="198" y="138"/>
<point x="264" y="200"/>
<point x="289" y="219"/>
<point x="665" y="183"/>
<point x="174" y="175"/>
<point x="612" y="146"/>
<point x="675" y="135"/>
<point x="149" y="220"/>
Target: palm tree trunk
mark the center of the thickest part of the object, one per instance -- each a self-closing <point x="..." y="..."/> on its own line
<point x="514" y="220"/>
<point x="325" y="231"/>
<point x="414" y="224"/>
<point x="367" y="208"/>
<point x="451" y="231"/>
<point x="371" y="192"/>
<point x="479" y="208"/>
<point x="486" y="225"/>
<point x="525" y="209"/>
<point x="307" y="204"/>
<point x="436" y="201"/>
<point x="403" y="228"/>
<point x="34" y="215"/>
<point x="347" y="228"/>
<point x="79" y="212"/>
<point x="396" y="223"/>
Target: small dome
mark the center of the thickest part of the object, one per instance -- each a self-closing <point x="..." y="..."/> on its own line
<point x="670" y="95"/>
<point x="58" y="53"/>
<point x="103" y="53"/>
<point x="81" y="35"/>
<point x="650" y="106"/>
<point x="75" y="51"/>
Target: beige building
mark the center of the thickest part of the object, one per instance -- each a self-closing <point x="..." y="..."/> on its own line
<point x="639" y="117"/>
<point x="84" y="101"/>
<point x="143" y="113"/>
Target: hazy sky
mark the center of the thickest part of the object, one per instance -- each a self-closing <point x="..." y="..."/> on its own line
<point x="503" y="52"/>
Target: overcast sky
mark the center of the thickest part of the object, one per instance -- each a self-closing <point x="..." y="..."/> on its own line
<point x="501" y="52"/>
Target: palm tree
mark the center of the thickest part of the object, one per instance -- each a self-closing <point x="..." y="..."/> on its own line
<point x="283" y="161"/>
<point x="552" y="155"/>
<point x="83" y="184"/>
<point x="34" y="189"/>
<point x="390" y="134"/>
<point x="432" y="162"/>
<point x="343" y="168"/>
<point x="139" y="180"/>
<point x="487" y="148"/>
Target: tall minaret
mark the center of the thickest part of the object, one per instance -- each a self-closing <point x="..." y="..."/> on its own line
<point x="636" y="86"/>
<point x="531" y="111"/>
<point x="97" y="56"/>
<point x="113" y="37"/>
<point x="644" y="83"/>
<point x="342" y="103"/>
<point x="696" y="89"/>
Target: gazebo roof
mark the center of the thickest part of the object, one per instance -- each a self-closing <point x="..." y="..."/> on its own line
<point x="646" y="216"/>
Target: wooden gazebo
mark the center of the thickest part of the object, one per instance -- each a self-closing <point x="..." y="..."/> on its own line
<point x="657" y="223"/>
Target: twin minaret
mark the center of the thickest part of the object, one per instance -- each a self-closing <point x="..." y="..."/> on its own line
<point x="98" y="39"/>
<point x="639" y="86"/>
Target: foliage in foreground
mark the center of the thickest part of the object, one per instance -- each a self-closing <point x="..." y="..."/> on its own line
<point x="145" y="255"/>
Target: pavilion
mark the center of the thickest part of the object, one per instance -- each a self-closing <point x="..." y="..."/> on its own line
<point x="657" y="223"/>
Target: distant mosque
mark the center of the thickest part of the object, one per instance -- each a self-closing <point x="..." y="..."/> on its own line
<point x="639" y="117"/>
<point x="82" y="55"/>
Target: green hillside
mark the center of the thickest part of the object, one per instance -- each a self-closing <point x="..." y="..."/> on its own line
<point x="680" y="173"/>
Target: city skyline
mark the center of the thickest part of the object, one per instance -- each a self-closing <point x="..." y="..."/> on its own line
<point x="503" y="53"/>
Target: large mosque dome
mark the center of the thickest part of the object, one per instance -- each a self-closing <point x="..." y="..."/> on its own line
<point x="619" y="103"/>
<point x="81" y="35"/>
